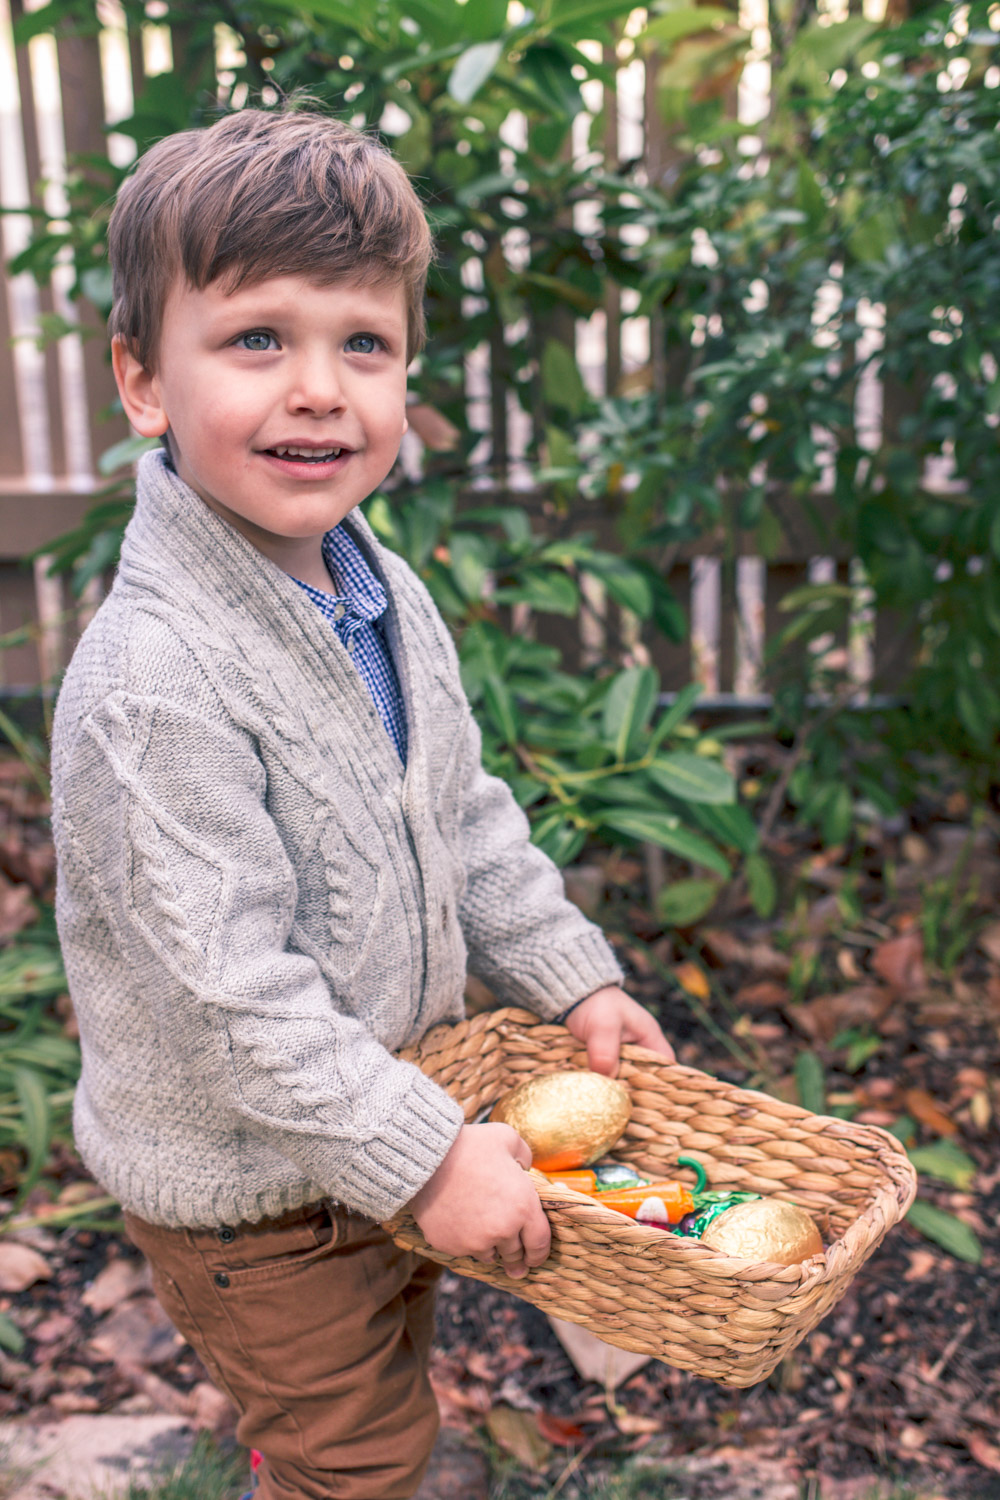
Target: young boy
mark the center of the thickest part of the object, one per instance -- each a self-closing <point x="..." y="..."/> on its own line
<point x="278" y="850"/>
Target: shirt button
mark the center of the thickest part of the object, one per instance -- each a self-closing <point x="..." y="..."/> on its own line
<point x="221" y="1279"/>
<point x="351" y="644"/>
<point x="227" y="1235"/>
<point x="338" y="611"/>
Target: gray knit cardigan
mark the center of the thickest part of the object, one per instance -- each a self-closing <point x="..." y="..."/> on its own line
<point x="257" y="905"/>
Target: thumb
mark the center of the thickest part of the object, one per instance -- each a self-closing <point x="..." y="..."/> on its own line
<point x="518" y="1148"/>
<point x="604" y="1047"/>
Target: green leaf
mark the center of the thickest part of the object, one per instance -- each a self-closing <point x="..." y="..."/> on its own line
<point x="627" y="586"/>
<point x="11" y="1337"/>
<point x="859" y="1050"/>
<point x="126" y="452"/>
<point x="569" y="15"/>
<point x="693" y="778"/>
<point x="562" y="384"/>
<point x="945" y="1230"/>
<point x="500" y="706"/>
<point x="36" y="1120"/>
<point x="470" y="558"/>
<point x="761" y="885"/>
<point x="731" y="825"/>
<point x="472" y="70"/>
<point x="630" y="701"/>
<point x="947" y="1162"/>
<point x="688" y="21"/>
<point x="549" y="592"/>
<point x="995" y="535"/>
<point x="810" y="196"/>
<point x="904" y="1129"/>
<point x="677" y="712"/>
<point x="666" y="830"/>
<point x="685" y="902"/>
<point x="810" y="1081"/>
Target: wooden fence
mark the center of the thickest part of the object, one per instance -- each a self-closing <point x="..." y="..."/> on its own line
<point x="56" y="97"/>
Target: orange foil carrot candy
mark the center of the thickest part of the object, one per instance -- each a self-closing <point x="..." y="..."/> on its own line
<point x="667" y="1202"/>
<point x="583" y="1181"/>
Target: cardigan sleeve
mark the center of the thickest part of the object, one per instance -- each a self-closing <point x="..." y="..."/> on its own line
<point x="166" y="812"/>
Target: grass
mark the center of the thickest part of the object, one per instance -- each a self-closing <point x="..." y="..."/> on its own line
<point x="209" y="1473"/>
<point x="626" y="1479"/>
<point x="12" y="1475"/>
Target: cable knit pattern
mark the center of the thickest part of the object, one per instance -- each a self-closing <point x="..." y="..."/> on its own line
<point x="257" y="904"/>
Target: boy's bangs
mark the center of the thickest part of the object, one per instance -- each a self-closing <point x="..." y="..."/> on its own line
<point x="264" y="194"/>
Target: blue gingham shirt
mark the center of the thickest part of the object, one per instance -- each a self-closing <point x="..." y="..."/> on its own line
<point x="353" y="613"/>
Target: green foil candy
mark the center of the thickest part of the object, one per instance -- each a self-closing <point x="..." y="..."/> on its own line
<point x="708" y="1207"/>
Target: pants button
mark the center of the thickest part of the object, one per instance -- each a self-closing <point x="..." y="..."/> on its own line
<point x="221" y="1279"/>
<point x="227" y="1235"/>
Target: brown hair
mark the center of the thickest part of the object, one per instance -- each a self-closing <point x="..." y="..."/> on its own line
<point x="263" y="192"/>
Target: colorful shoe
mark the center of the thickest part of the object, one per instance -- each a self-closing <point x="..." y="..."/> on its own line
<point x="256" y="1459"/>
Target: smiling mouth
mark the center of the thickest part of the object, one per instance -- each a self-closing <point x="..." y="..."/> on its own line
<point x="306" y="455"/>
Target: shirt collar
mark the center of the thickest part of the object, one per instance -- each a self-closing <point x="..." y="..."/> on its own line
<point x="358" y="589"/>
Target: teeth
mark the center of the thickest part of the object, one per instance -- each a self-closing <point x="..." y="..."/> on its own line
<point x="315" y="455"/>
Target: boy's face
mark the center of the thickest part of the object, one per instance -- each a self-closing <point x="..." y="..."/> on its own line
<point x="285" y="401"/>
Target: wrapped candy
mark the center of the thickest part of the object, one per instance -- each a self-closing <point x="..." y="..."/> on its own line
<point x="764" y="1229"/>
<point x="583" y="1180"/>
<point x="567" y="1119"/>
<point x="662" y="1202"/>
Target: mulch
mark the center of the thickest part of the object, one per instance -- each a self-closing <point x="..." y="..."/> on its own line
<point x="902" y="1379"/>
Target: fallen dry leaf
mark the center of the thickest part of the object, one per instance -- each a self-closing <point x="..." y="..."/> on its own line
<point x="765" y="994"/>
<point x="516" y="1432"/>
<point x="559" y="1430"/>
<point x="138" y="1334"/>
<point x="21" y="1267"/>
<point x="981" y="1110"/>
<point x="989" y="941"/>
<point x="635" y="1425"/>
<point x="925" y="1108"/>
<point x="900" y="961"/>
<point x="821" y="1019"/>
<point x="211" y="1409"/>
<point x="17" y="909"/>
<point x="922" y="1263"/>
<point x="726" y="948"/>
<point x="119" y="1280"/>
<point x="693" y="980"/>
<point x="986" y="1454"/>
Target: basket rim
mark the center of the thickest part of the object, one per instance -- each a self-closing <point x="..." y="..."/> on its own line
<point x="888" y="1201"/>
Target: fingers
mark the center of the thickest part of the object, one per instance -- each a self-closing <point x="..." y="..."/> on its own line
<point x="604" y="1041"/>
<point x="510" y="1253"/>
<point x="536" y="1236"/>
<point x="645" y="1032"/>
<point x="519" y="1252"/>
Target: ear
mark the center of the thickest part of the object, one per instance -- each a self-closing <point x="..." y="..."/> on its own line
<point x="139" y="390"/>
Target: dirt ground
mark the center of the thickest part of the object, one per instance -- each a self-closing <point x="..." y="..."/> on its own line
<point x="902" y="1379"/>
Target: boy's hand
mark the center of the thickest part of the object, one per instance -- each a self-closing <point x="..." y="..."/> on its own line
<point x="609" y="1017"/>
<point x="481" y="1201"/>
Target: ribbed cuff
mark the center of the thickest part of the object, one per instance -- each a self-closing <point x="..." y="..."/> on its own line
<point x="385" y="1173"/>
<point x="559" y="979"/>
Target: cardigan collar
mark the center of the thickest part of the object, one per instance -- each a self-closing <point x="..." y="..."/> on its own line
<point x="176" y="545"/>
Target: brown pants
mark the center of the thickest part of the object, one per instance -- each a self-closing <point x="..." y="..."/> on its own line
<point x="318" y="1329"/>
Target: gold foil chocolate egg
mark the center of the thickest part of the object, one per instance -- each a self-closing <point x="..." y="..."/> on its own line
<point x="566" y="1119"/>
<point x="765" y="1230"/>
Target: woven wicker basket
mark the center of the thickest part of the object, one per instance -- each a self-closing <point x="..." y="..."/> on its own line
<point x="723" y="1318"/>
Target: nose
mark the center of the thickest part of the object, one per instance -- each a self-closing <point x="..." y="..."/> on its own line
<point x="316" y="387"/>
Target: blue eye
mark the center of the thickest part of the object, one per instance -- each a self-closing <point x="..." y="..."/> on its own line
<point x="257" y="341"/>
<point x="362" y="343"/>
